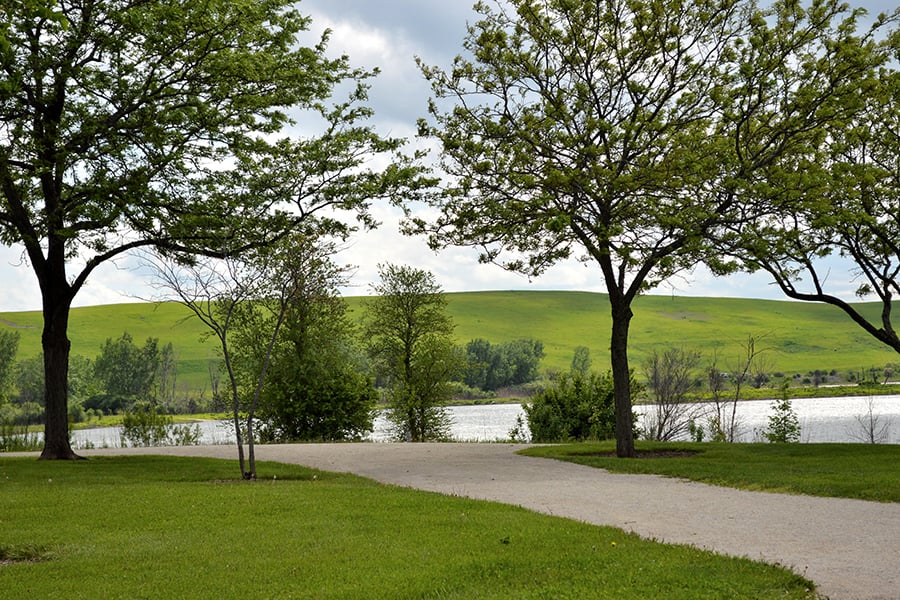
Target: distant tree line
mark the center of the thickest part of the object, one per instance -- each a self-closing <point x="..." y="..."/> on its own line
<point x="491" y="367"/>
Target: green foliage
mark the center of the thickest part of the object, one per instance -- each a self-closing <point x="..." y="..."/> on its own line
<point x="171" y="126"/>
<point x="15" y="437"/>
<point x="124" y="372"/>
<point x="409" y="337"/>
<point x="362" y="540"/>
<point x="494" y="366"/>
<point x="335" y="405"/>
<point x="581" y="361"/>
<point x="9" y="345"/>
<point x="783" y="426"/>
<point x="574" y="407"/>
<point x="843" y="183"/>
<point x="314" y="387"/>
<point x="30" y="380"/>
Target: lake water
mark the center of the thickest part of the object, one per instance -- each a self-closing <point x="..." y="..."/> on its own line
<point x="821" y="420"/>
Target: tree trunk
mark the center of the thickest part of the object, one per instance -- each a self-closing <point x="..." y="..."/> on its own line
<point x="621" y="320"/>
<point x="55" y="343"/>
<point x="235" y="406"/>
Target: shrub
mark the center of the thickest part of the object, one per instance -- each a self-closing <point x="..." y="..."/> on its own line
<point x="783" y="427"/>
<point x="318" y="406"/>
<point x="575" y="408"/>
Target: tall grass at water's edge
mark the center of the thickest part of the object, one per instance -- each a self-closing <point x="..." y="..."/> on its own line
<point x="18" y="438"/>
<point x="163" y="527"/>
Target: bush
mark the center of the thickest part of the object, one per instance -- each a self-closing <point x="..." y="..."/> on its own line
<point x="324" y="406"/>
<point x="575" y="408"/>
<point x="783" y="427"/>
<point x="461" y="391"/>
<point x="108" y="404"/>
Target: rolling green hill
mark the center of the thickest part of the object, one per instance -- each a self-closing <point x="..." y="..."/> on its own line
<point x="800" y="336"/>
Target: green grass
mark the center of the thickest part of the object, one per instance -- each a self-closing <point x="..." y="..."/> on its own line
<point x="162" y="527"/>
<point x="800" y="336"/>
<point x="863" y="471"/>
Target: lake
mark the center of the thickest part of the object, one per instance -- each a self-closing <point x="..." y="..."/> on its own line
<point x="821" y="420"/>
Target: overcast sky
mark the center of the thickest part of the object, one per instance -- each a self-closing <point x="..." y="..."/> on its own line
<point x="388" y="34"/>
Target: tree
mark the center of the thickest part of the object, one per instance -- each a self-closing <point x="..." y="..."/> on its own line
<point x="316" y="389"/>
<point x="245" y="297"/>
<point x="493" y="366"/>
<point x="163" y="125"/>
<point x="626" y="131"/>
<point x="872" y="428"/>
<point x="408" y="335"/>
<point x="581" y="361"/>
<point x="166" y="375"/>
<point x="844" y="202"/>
<point x="83" y="386"/>
<point x="783" y="426"/>
<point x="127" y="372"/>
<point x="724" y="423"/>
<point x="30" y="380"/>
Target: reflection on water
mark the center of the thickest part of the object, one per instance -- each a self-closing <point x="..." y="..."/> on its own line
<point x="821" y="420"/>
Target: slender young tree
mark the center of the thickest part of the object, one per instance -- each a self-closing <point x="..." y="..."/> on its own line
<point x="623" y="132"/>
<point x="671" y="376"/>
<point x="316" y="388"/>
<point x="162" y="124"/>
<point x="246" y="298"/>
<point x="409" y="336"/>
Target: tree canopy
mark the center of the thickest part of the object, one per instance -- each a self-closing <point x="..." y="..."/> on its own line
<point x="169" y="125"/>
<point x="409" y="336"/>
<point x="843" y="201"/>
<point x="627" y="133"/>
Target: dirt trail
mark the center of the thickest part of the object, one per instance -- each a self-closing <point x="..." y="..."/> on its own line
<point x="850" y="548"/>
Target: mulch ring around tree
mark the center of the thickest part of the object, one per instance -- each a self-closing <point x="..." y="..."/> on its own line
<point x="650" y="454"/>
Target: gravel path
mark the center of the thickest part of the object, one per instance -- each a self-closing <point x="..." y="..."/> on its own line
<point x="850" y="548"/>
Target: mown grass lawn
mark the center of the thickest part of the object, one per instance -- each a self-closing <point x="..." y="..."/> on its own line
<point x="164" y="527"/>
<point x="863" y="471"/>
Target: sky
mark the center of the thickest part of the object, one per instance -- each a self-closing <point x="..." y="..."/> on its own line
<point x="389" y="34"/>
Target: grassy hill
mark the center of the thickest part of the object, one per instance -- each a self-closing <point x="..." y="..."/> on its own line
<point x="800" y="336"/>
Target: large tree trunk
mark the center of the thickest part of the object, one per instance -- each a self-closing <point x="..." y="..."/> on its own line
<point x="55" y="343"/>
<point x="621" y="320"/>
